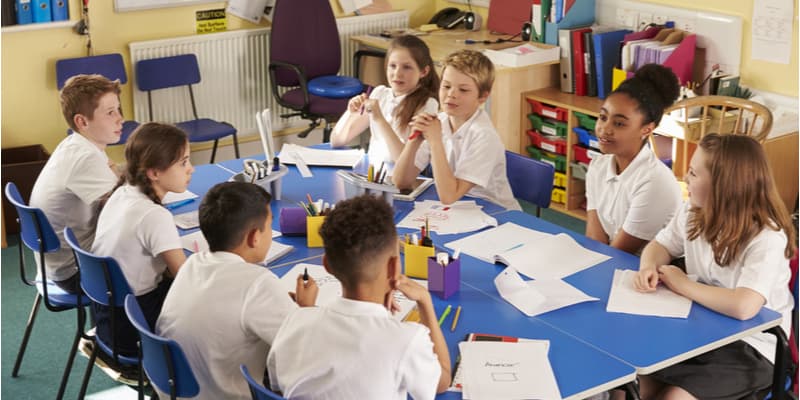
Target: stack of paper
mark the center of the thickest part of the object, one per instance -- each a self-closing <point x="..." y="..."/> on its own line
<point x="525" y="54"/>
<point x="459" y="217"/>
<point x="535" y="254"/>
<point x="196" y="242"/>
<point x="330" y="288"/>
<point x="328" y="158"/>
<point x="189" y="220"/>
<point x="624" y="298"/>
<point x="503" y="370"/>
<point x="539" y="296"/>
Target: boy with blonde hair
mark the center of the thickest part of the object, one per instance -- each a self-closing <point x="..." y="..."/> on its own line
<point x="353" y="348"/>
<point x="78" y="172"/>
<point x="461" y="144"/>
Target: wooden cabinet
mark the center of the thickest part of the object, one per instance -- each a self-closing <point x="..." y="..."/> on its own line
<point x="574" y="191"/>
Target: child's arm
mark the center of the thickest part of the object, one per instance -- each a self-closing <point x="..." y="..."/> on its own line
<point x="306" y="292"/>
<point x="594" y="230"/>
<point x="405" y="171"/>
<point x="383" y="128"/>
<point x="352" y="122"/>
<point x="653" y="256"/>
<point x="448" y="187"/>
<point x="174" y="259"/>
<point x="740" y="303"/>
<point x="627" y="242"/>
<point x="416" y="292"/>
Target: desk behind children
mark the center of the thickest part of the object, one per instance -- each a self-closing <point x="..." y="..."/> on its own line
<point x="509" y="83"/>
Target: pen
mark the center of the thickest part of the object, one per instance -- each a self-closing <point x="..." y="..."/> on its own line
<point x="414" y="135"/>
<point x="455" y="319"/>
<point x="369" y="90"/>
<point x="172" y="206"/>
<point x="305" y="276"/>
<point x="445" y="314"/>
<point x="371" y="173"/>
<point x="456" y="254"/>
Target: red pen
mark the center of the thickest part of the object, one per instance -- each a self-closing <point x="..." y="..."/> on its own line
<point x="414" y="135"/>
<point x="369" y="90"/>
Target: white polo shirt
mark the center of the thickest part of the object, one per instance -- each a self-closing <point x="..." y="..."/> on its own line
<point x="762" y="267"/>
<point x="641" y="200"/>
<point x="75" y="176"/>
<point x="388" y="102"/>
<point x="224" y="312"/>
<point x="475" y="154"/>
<point x="352" y="350"/>
<point x="135" y="230"/>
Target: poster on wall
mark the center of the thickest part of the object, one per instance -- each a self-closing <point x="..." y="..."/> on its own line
<point x="136" y="5"/>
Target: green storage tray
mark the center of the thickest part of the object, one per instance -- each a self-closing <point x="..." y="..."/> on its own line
<point x="586" y="121"/>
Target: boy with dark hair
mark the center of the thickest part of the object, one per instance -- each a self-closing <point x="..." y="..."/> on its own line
<point x="223" y="308"/>
<point x="78" y="173"/>
<point x="316" y="348"/>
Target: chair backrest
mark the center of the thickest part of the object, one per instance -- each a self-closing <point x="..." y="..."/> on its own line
<point x="109" y="65"/>
<point x="163" y="360"/>
<point x="101" y="277"/>
<point x="312" y="20"/>
<point x="741" y="116"/>
<point x="35" y="229"/>
<point x="257" y="390"/>
<point x="531" y="180"/>
<point x="167" y="72"/>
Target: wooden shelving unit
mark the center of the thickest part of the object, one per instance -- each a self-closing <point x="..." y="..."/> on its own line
<point x="576" y="188"/>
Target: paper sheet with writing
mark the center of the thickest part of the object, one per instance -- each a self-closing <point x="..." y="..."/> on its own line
<point x="485" y="245"/>
<point x="624" y="298"/>
<point x="330" y="158"/>
<point x="196" y="242"/>
<point x="539" y="296"/>
<point x="188" y="220"/>
<point x="172" y="197"/>
<point x="330" y="288"/>
<point x="459" y="217"/>
<point x="502" y="370"/>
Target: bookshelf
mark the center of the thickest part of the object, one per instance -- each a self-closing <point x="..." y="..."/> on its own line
<point x="575" y="188"/>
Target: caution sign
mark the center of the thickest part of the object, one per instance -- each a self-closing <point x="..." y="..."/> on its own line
<point x="210" y="21"/>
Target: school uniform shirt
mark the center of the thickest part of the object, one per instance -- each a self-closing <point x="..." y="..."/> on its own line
<point x="135" y="230"/>
<point x="641" y="200"/>
<point x="75" y="176"/>
<point x="762" y="267"/>
<point x="388" y="102"/>
<point x="352" y="350"/>
<point x="475" y="154"/>
<point x="224" y="312"/>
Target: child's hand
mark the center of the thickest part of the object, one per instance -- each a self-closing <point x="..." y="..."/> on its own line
<point x="673" y="277"/>
<point x="646" y="280"/>
<point x="306" y="291"/>
<point x="413" y="290"/>
<point x="390" y="303"/>
<point x="355" y="103"/>
<point x="428" y="124"/>
<point x="372" y="108"/>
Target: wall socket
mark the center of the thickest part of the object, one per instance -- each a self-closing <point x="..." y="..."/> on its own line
<point x="627" y="18"/>
<point x="645" y="19"/>
<point x="662" y="19"/>
<point x="685" y="24"/>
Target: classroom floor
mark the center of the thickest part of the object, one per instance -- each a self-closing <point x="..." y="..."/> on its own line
<point x="49" y="344"/>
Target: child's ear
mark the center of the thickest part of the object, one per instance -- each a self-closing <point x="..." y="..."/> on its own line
<point x="393" y="267"/>
<point x="252" y="238"/>
<point x="80" y="121"/>
<point x="325" y="264"/>
<point x="152" y="174"/>
<point x="425" y="71"/>
<point x="484" y="95"/>
<point x="647" y="129"/>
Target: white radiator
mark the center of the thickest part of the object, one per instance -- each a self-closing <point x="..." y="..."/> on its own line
<point x="233" y="68"/>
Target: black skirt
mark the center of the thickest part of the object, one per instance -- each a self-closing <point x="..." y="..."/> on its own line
<point x="734" y="371"/>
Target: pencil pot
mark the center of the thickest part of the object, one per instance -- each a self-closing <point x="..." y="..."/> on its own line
<point x="386" y="196"/>
<point x="292" y="221"/>
<point x="444" y="280"/>
<point x="417" y="260"/>
<point x="312" y="231"/>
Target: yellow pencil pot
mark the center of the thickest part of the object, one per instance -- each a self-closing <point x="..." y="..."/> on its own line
<point x="312" y="231"/>
<point x="417" y="260"/>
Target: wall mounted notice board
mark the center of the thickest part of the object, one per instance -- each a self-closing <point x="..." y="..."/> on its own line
<point x="135" y="5"/>
<point x="719" y="34"/>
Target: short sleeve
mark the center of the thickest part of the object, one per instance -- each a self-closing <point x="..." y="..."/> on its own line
<point x="431" y="106"/>
<point x="673" y="236"/>
<point x="420" y="367"/>
<point x="477" y="161"/>
<point x="592" y="174"/>
<point x="652" y="205"/>
<point x="762" y="262"/>
<point x="91" y="178"/>
<point x="266" y="305"/>
<point x="157" y="231"/>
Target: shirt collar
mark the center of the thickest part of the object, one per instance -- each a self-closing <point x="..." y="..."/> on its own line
<point x="641" y="158"/>
<point x="85" y="142"/>
<point x="465" y="127"/>
<point x="358" y="308"/>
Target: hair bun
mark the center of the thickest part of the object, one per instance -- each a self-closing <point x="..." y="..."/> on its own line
<point x="663" y="80"/>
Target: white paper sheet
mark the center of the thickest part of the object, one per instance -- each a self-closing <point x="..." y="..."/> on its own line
<point x="485" y="245"/>
<point x="624" y="298"/>
<point x="539" y="296"/>
<point x="772" y="30"/>
<point x="196" y="242"/>
<point x="172" y="197"/>
<point x="329" y="158"/>
<point x="350" y="6"/>
<point x="187" y="220"/>
<point x="459" y="217"/>
<point x="330" y="288"/>
<point x="502" y="370"/>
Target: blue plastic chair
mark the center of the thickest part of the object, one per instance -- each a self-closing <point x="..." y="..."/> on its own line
<point x="109" y="65"/>
<point x="104" y="283"/>
<point x="257" y="390"/>
<point x="531" y="180"/>
<point x="37" y="234"/>
<point x="163" y="360"/>
<point x="177" y="71"/>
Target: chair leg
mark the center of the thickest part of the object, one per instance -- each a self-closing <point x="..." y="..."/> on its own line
<point x="26" y="336"/>
<point x="88" y="373"/>
<point x="326" y="132"/>
<point x="538" y="212"/>
<point x="214" y="151"/>
<point x="235" y="145"/>
<point x="72" y="351"/>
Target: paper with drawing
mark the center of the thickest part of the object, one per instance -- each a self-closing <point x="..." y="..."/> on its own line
<point x="624" y="298"/>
